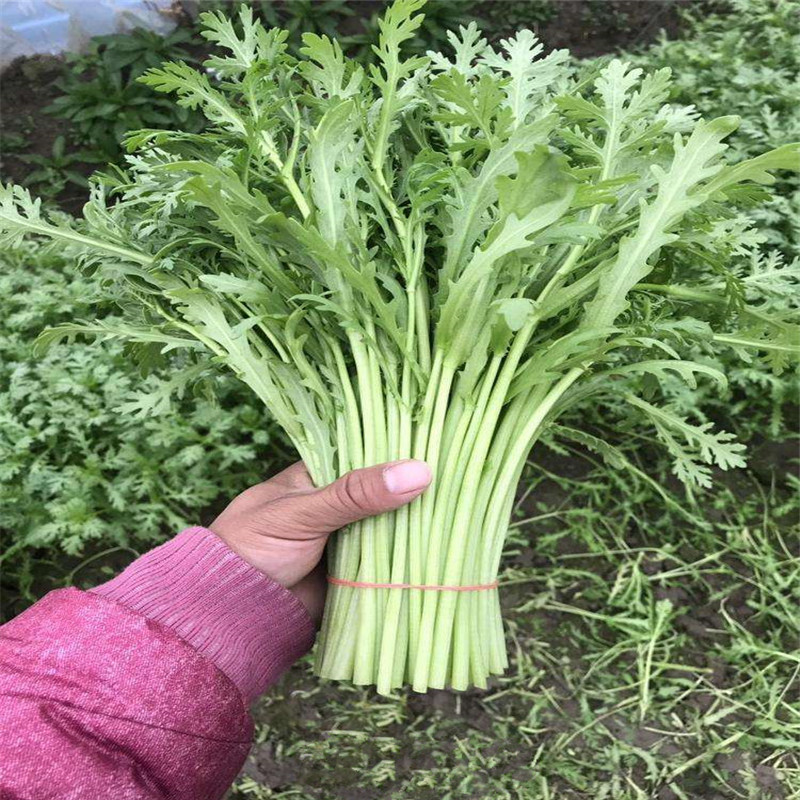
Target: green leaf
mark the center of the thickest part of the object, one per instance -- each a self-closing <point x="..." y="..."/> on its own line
<point x="397" y="26"/>
<point x="468" y="46"/>
<point x="110" y="331"/>
<point x="327" y="70"/>
<point x="515" y="312"/>
<point x="692" y="446"/>
<point x="541" y="179"/>
<point x="474" y="105"/>
<point x="779" y="340"/>
<point x="332" y="142"/>
<point x="616" y="459"/>
<point x="621" y="122"/>
<point x="530" y="78"/>
<point x="510" y="316"/>
<point x="244" y="49"/>
<point x="20" y="215"/>
<point x="474" y="194"/>
<point x="160" y="400"/>
<point x="537" y="197"/>
<point x="758" y="169"/>
<point x="194" y="90"/>
<point x="686" y="370"/>
<point x="694" y="161"/>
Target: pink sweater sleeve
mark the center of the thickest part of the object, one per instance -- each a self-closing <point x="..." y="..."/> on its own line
<point x="139" y="689"/>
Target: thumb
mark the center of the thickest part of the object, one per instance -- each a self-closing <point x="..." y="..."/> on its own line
<point x="356" y="495"/>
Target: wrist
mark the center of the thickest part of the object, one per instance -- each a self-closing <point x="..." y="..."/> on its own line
<point x="248" y="625"/>
<point x="299" y="575"/>
<point x="264" y="554"/>
<point x="283" y="560"/>
<point x="272" y="568"/>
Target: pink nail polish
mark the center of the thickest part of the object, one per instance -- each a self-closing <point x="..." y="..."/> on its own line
<point x="407" y="476"/>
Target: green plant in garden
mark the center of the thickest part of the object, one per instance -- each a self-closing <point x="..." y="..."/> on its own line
<point x="103" y="99"/>
<point x="297" y="17"/>
<point x="745" y="60"/>
<point x="12" y="142"/>
<point x="433" y="258"/>
<point x="134" y="52"/>
<point x="441" y="18"/>
<point x="54" y="172"/>
<point x="80" y="468"/>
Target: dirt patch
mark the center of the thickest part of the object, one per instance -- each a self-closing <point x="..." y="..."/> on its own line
<point x="27" y="87"/>
<point x="589" y="27"/>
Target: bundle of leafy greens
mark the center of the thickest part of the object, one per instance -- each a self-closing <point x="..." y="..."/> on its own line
<point x="432" y="258"/>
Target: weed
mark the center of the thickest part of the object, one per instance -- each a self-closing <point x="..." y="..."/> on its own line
<point x="54" y="172"/>
<point x="103" y="99"/>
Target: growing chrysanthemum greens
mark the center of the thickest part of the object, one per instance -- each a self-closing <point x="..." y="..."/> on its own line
<point x="434" y="258"/>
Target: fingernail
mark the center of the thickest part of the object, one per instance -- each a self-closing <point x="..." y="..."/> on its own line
<point x="407" y="476"/>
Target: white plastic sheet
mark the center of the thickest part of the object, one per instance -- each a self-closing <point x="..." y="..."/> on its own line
<point x="56" y="26"/>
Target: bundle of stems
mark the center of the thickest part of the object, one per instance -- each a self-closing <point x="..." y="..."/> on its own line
<point x="433" y="258"/>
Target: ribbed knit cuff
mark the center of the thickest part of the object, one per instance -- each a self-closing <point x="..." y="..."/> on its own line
<point x="252" y="628"/>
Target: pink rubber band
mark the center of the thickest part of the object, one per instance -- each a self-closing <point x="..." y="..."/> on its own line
<point x="481" y="587"/>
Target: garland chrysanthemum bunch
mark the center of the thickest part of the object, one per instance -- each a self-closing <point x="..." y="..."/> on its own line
<point x="434" y="257"/>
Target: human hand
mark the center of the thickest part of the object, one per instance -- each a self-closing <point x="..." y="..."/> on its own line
<point x="281" y="526"/>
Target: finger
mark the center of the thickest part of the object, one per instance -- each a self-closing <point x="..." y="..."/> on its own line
<point x="356" y="495"/>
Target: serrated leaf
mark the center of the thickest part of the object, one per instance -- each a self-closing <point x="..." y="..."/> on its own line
<point x="475" y="193"/>
<point x="539" y="195"/>
<point x="686" y="370"/>
<point x="694" y="161"/>
<point x="468" y="45"/>
<point x="194" y="90"/>
<point x="758" y="169"/>
<point x="330" y="142"/>
<point x="219" y="29"/>
<point x="475" y="105"/>
<point x="327" y="70"/>
<point x="529" y="78"/>
<point x="692" y="445"/>
<point x="107" y="331"/>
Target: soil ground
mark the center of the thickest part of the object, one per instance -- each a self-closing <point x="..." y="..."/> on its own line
<point x="590" y="28"/>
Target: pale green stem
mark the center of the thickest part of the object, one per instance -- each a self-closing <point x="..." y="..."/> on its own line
<point x="433" y="672"/>
<point x="345" y="544"/>
<point x="53" y="232"/>
<point x="366" y="602"/>
<point x="436" y="396"/>
<point x="285" y="172"/>
<point x="394" y="641"/>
